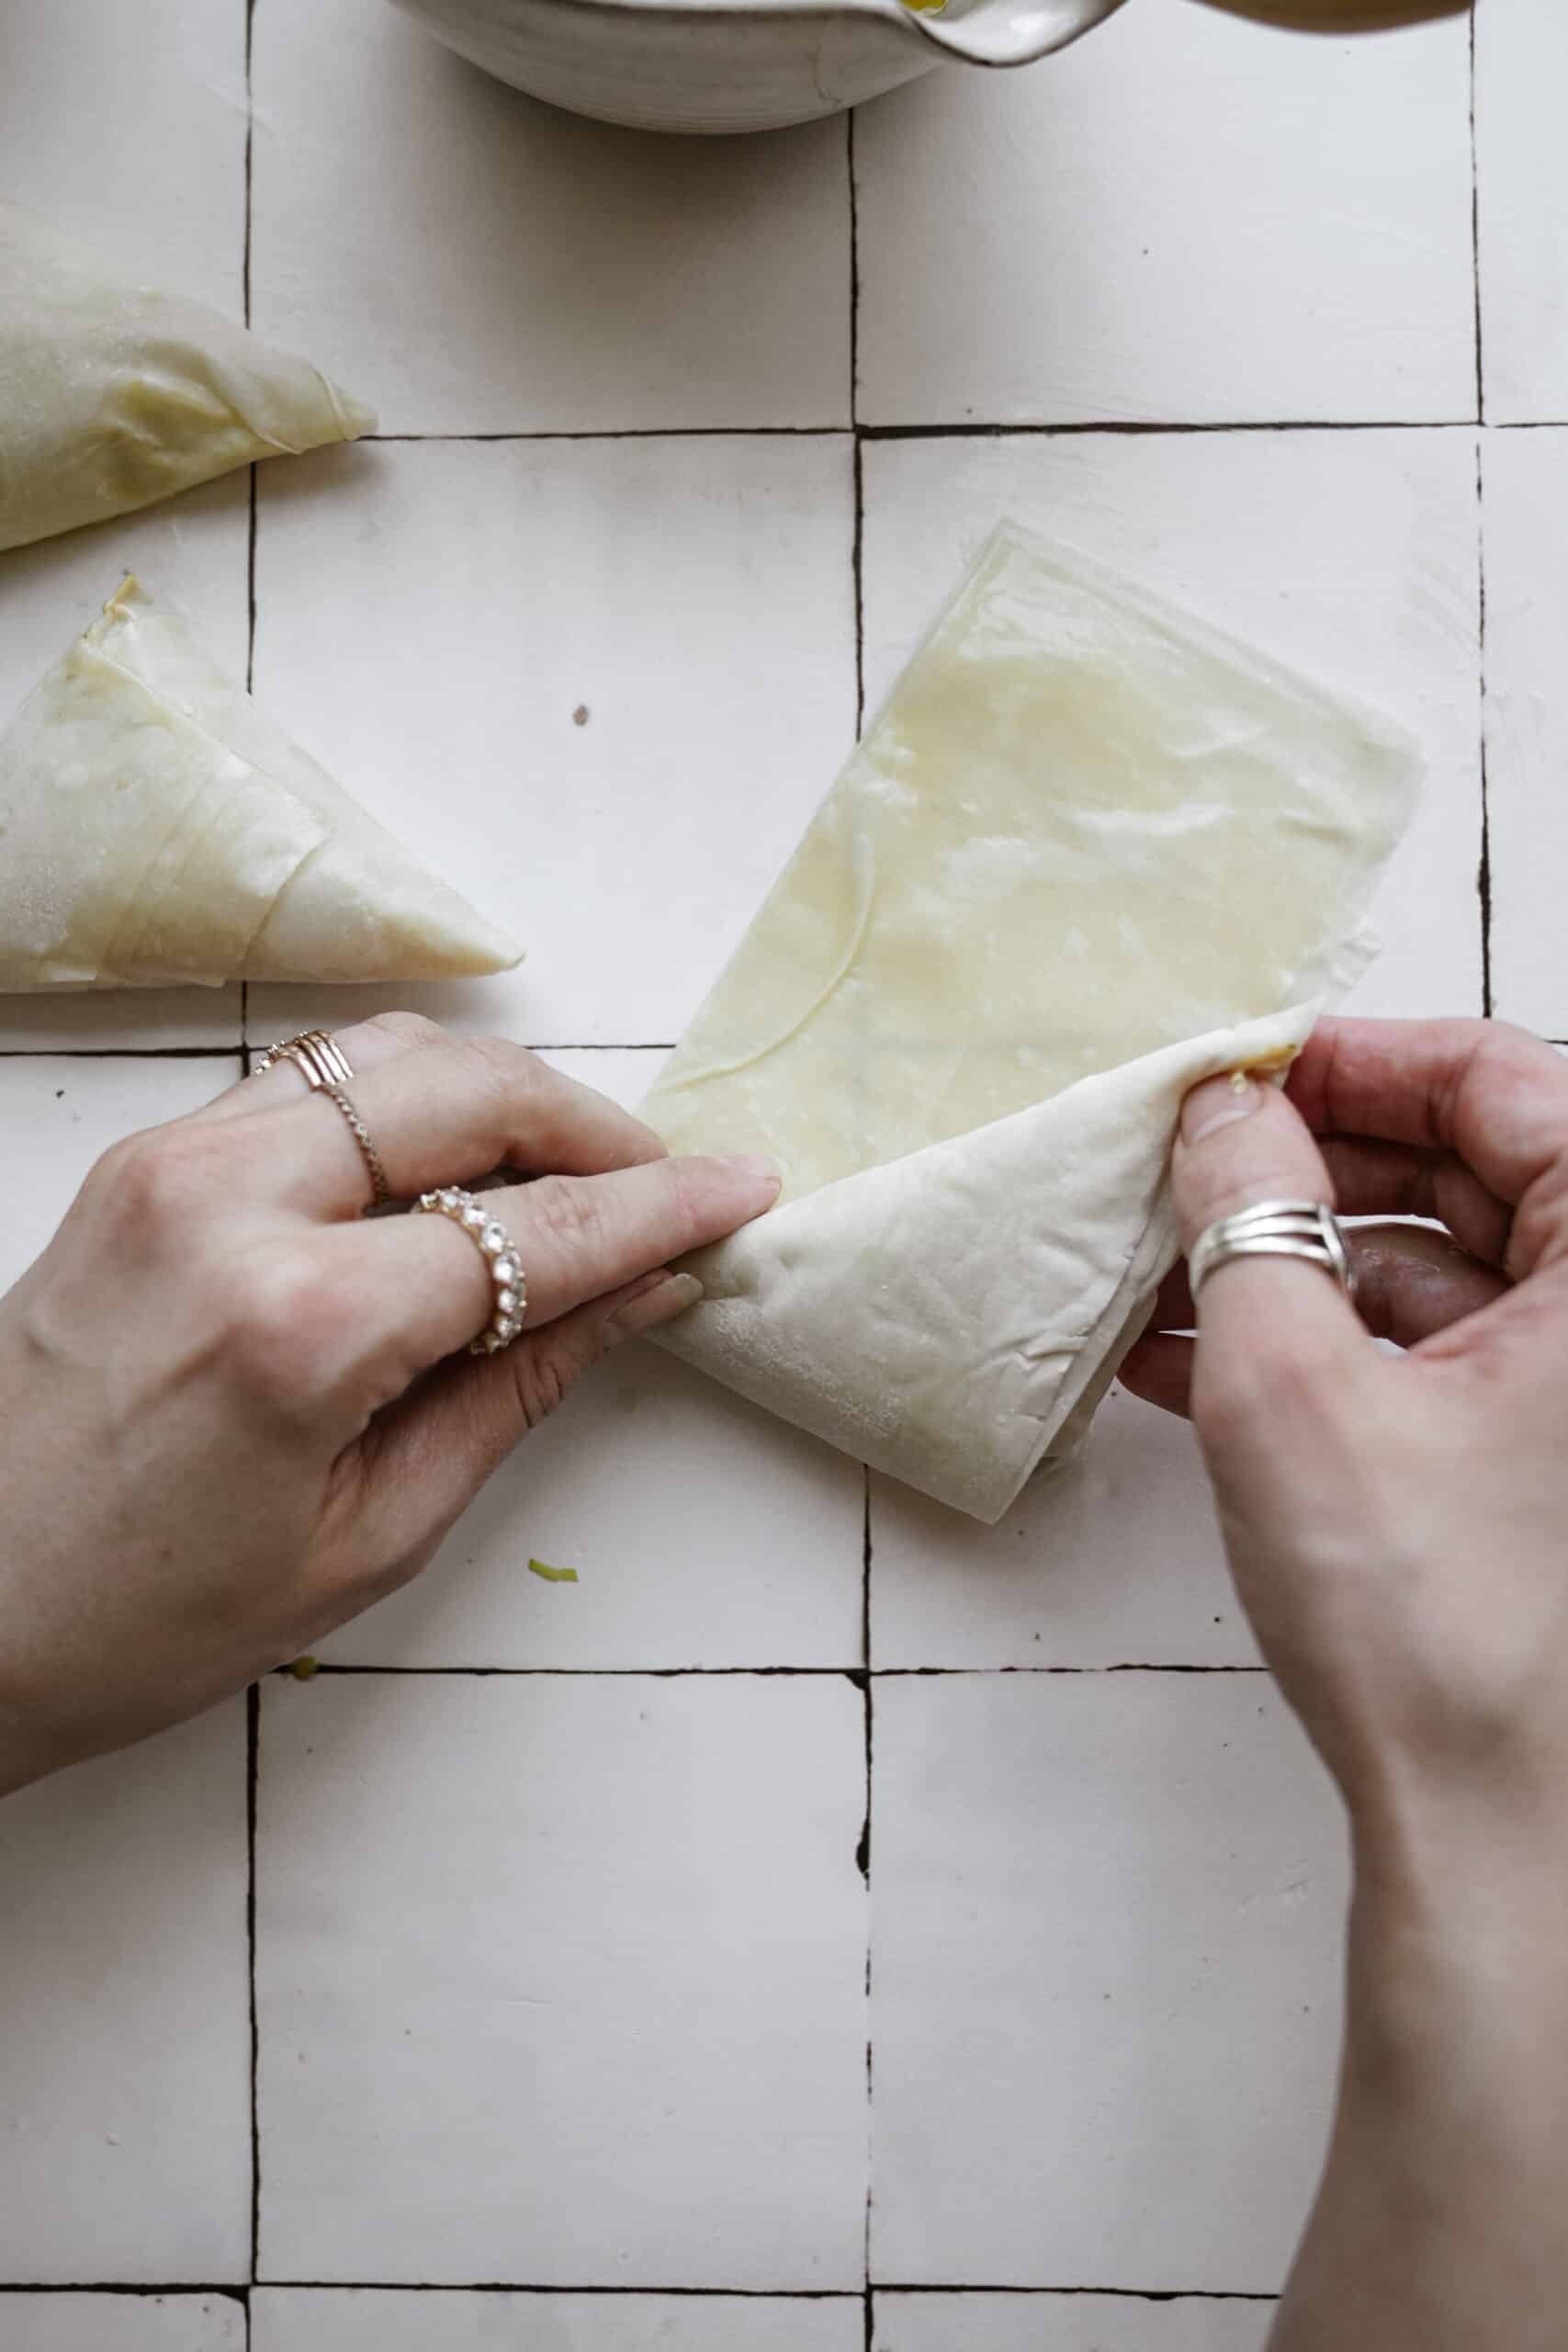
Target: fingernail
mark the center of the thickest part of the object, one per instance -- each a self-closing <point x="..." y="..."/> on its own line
<point x="1216" y="1103"/>
<point x="755" y="1168"/>
<point x="651" y="1307"/>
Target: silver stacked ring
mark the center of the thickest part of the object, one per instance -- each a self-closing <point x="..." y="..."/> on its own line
<point x="1303" y="1229"/>
<point x="501" y="1263"/>
<point x="320" y="1059"/>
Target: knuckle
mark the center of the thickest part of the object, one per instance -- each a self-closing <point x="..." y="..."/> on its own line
<point x="407" y="1028"/>
<point x="158" y="1180"/>
<point x="568" y="1212"/>
<point x="282" y="1330"/>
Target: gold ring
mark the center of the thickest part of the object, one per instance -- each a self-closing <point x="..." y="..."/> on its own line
<point x="501" y="1263"/>
<point x="380" y="1189"/>
<point x="319" y="1058"/>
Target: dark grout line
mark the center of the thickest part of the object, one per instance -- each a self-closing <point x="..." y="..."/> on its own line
<point x="859" y="1675"/>
<point x="1122" y="2294"/>
<point x="1475" y="234"/>
<point x="863" y="1857"/>
<point x="122" y="1053"/>
<point x="1144" y="427"/>
<point x="636" y="433"/>
<point x="548" y="2287"/>
<point x="971" y="430"/>
<point x="253" y="1777"/>
<point x="1483" y="870"/>
<point x="857" y="544"/>
<point x="250" y="129"/>
<point x="160" y="2290"/>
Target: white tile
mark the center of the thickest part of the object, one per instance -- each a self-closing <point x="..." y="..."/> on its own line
<point x="345" y="2320"/>
<point x="472" y="260"/>
<point x="1106" y="1915"/>
<point x="125" y="2118"/>
<point x="693" y="597"/>
<point x="704" y="1532"/>
<point x="1186" y="218"/>
<point x="127" y="128"/>
<point x="1115" y="1559"/>
<point x="562" y="1981"/>
<point x="1069" y="2323"/>
<point x="1526" y="480"/>
<point x="87" y="2322"/>
<point x="1354" y="556"/>
<point x="190" y="552"/>
<point x="59" y="1113"/>
<point x="1521" y="68"/>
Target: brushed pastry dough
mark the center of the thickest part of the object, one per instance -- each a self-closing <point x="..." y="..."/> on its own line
<point x="115" y="394"/>
<point x="156" y="828"/>
<point x="1090" y="851"/>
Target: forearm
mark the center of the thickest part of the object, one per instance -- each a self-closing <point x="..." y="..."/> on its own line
<point x="1442" y="2220"/>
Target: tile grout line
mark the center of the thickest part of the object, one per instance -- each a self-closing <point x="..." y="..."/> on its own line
<point x="941" y="429"/>
<point x="161" y="2289"/>
<point x="253" y="1696"/>
<point x="1483" y="868"/>
<point x="856" y="1674"/>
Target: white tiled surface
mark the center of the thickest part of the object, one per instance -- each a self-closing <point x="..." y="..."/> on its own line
<point x="125" y="2106"/>
<point x="474" y="262"/>
<point x="1188" y="219"/>
<point x="345" y="2320"/>
<point x="605" y="1937"/>
<point x="1103" y="1905"/>
<point x="1105" y="1978"/>
<point x="939" y="2323"/>
<point x="84" y="2322"/>
<point x="1526" y="490"/>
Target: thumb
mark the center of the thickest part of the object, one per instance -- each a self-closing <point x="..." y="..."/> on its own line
<point x="1274" y="1331"/>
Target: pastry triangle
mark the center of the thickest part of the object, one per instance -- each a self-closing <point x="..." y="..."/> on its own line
<point x="1090" y="851"/>
<point x="156" y="827"/>
<point x="115" y="394"/>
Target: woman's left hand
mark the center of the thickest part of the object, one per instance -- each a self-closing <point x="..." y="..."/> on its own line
<point x="233" y="1411"/>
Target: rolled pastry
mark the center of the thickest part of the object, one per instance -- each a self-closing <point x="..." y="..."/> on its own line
<point x="114" y="394"/>
<point x="156" y="828"/>
<point x="1090" y="851"/>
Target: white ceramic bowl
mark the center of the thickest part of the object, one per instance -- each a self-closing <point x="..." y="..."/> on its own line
<point x="719" y="65"/>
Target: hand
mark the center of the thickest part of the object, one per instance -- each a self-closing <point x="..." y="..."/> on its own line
<point x="1398" y="1532"/>
<point x="1396" y="1525"/>
<point x="233" y="1412"/>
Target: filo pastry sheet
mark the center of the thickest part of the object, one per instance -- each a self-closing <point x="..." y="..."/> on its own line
<point x="1090" y="851"/>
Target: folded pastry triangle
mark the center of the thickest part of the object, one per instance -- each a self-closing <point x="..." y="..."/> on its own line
<point x="1090" y="851"/>
<point x="115" y="393"/>
<point x="156" y="827"/>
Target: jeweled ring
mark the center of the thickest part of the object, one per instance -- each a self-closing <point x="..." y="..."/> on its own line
<point x="319" y="1058"/>
<point x="501" y="1263"/>
<point x="1303" y="1229"/>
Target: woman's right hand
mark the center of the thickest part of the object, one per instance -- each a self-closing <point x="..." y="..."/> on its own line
<point x="1398" y="1527"/>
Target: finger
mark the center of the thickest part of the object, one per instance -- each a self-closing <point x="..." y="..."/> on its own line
<point x="451" y="1114"/>
<point x="1411" y="1283"/>
<point x="423" y="1459"/>
<point x="1158" y="1368"/>
<point x="1275" y="1333"/>
<point x="1482" y="1090"/>
<point x="365" y="1046"/>
<point x="577" y="1239"/>
<point x="1376" y="1179"/>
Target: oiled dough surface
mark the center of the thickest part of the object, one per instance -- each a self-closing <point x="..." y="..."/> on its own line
<point x="1083" y="827"/>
